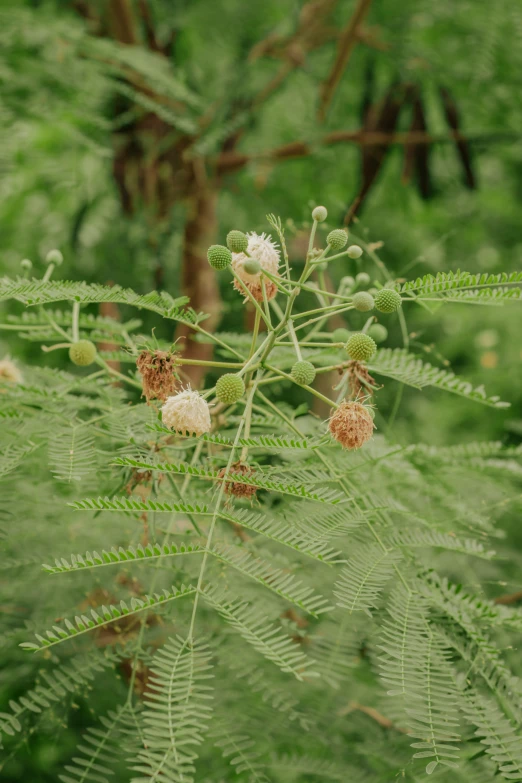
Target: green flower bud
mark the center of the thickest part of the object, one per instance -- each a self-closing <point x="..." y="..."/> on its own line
<point x="54" y="257"/>
<point x="354" y="251"/>
<point x="26" y="264"/>
<point x="337" y="238"/>
<point x="340" y="335"/>
<point x="82" y="353"/>
<point x="320" y="214"/>
<point x="363" y="278"/>
<point x="378" y="332"/>
<point x="347" y="282"/>
<point x="237" y="242"/>
<point x="230" y="388"/>
<point x="363" y="301"/>
<point x="361" y="347"/>
<point x="387" y="300"/>
<point x="303" y="373"/>
<point x="219" y="257"/>
<point x="252" y="266"/>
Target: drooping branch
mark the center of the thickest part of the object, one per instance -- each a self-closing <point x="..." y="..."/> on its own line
<point x="347" y="42"/>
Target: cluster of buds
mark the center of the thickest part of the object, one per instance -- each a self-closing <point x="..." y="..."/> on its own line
<point x="254" y="260"/>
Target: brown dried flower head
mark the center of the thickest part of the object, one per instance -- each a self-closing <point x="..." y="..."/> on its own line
<point x="351" y="425"/>
<point x="360" y="381"/>
<point x="236" y="487"/>
<point x="158" y="374"/>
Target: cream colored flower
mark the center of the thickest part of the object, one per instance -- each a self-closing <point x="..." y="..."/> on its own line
<point x="263" y="249"/>
<point x="187" y="413"/>
<point x="9" y="372"/>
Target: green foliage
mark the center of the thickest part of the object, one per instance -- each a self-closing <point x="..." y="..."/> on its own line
<point x="278" y="588"/>
<point x="319" y="578"/>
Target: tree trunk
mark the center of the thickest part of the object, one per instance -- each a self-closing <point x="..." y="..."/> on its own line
<point x="199" y="280"/>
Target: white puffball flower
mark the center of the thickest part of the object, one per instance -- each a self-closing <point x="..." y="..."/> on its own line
<point x="187" y="412"/>
<point x="262" y="248"/>
<point x="9" y="371"/>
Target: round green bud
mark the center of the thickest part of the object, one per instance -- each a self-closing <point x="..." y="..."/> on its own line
<point x="25" y="263"/>
<point x="363" y="278"/>
<point x="82" y="353"/>
<point x="363" y="301"/>
<point x="340" y="335"/>
<point x="387" y="300"/>
<point x="320" y="214"/>
<point x="337" y="238"/>
<point x="54" y="257"/>
<point x="237" y="242"/>
<point x="252" y="266"/>
<point x="219" y="257"/>
<point x="378" y="332"/>
<point x="303" y="373"/>
<point x="347" y="282"/>
<point x="230" y="388"/>
<point x="354" y="251"/>
<point x="322" y="267"/>
<point x="361" y="347"/>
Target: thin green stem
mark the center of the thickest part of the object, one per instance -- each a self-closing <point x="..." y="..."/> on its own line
<point x="75" y="322"/>
<point x="48" y="349"/>
<point x="251" y="298"/>
<point x="201" y="363"/>
<point x="215" y="516"/>
<point x="117" y="374"/>
<point x="215" y="339"/>
<point x="295" y="341"/>
<point x="311" y="240"/>
<point x="48" y="273"/>
<point x="313" y="391"/>
<point x="265" y="304"/>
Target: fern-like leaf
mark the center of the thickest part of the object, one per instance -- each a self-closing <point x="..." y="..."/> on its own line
<point x="282" y="533"/>
<point x="502" y="740"/>
<point x="72" y="455"/>
<point x="399" y="364"/>
<point x="262" y="634"/>
<point x="123" y="503"/>
<point x="363" y="579"/>
<point x="183" y="469"/>
<point x="177" y="713"/>
<point x="282" y="584"/>
<point x="117" y="556"/>
<point x="103" y="615"/>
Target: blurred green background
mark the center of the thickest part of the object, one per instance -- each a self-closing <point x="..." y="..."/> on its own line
<point x="134" y="133"/>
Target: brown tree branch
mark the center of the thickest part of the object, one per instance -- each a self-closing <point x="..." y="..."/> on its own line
<point x="372" y="713"/>
<point x="228" y="162"/>
<point x="347" y="42"/>
<point x="511" y="598"/>
<point x="121" y="22"/>
<point x="150" y="33"/>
